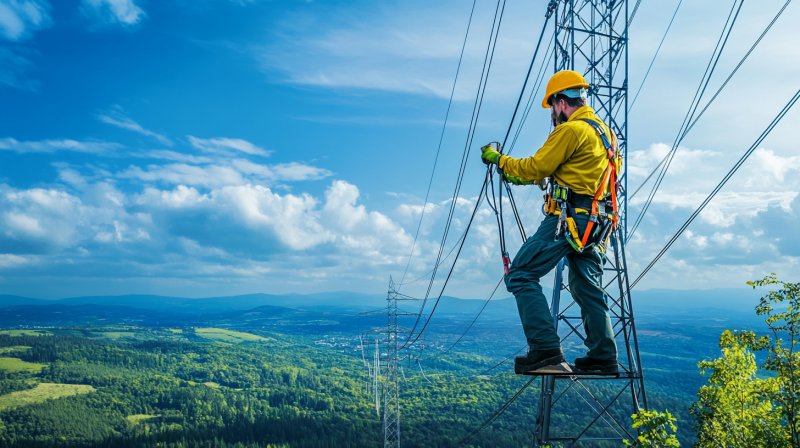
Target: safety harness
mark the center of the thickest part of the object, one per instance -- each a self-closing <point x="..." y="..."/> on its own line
<point x="602" y="207"/>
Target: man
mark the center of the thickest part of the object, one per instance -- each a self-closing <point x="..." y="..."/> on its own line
<point x="574" y="156"/>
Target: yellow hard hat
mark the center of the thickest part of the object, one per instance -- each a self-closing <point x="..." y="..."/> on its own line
<point x="564" y="80"/>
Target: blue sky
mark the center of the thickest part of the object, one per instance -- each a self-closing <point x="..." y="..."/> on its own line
<point x="215" y="147"/>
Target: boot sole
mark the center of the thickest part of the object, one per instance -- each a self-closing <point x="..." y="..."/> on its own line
<point x="520" y="369"/>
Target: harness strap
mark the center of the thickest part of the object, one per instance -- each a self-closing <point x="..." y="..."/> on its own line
<point x="610" y="175"/>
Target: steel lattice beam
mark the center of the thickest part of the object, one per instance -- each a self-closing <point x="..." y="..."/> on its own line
<point x="591" y="37"/>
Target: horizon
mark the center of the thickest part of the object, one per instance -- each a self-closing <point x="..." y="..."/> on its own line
<point x="233" y="147"/>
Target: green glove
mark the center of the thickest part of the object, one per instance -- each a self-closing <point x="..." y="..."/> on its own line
<point x="490" y="155"/>
<point x="518" y="180"/>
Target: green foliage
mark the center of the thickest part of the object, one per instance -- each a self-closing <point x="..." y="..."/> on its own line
<point x="656" y="429"/>
<point x="735" y="409"/>
<point x="738" y="407"/>
<point x="160" y="389"/>
<point x="782" y="311"/>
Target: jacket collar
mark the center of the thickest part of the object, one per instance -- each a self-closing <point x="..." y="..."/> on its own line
<point x="583" y="112"/>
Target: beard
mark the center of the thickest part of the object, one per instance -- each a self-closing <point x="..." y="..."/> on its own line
<point x="557" y="119"/>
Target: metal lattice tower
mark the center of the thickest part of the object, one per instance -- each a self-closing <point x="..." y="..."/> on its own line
<point x="386" y="365"/>
<point x="591" y="37"/>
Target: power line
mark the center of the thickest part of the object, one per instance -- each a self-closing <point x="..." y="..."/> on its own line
<point x="465" y="156"/>
<point x="476" y="317"/>
<point x="499" y="210"/>
<point x="497" y="413"/>
<point x="463" y="235"/>
<point x="441" y="138"/>
<point x="722" y="183"/>
<point x="534" y="92"/>
<point x="753" y="47"/>
<point x="504" y="360"/>
<point x="436" y="303"/>
<point x="550" y="9"/>
<point x="657" y="50"/>
<point x="712" y="64"/>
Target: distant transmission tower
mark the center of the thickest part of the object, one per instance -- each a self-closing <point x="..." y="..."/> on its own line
<point x="386" y="365"/>
<point x="591" y="37"/>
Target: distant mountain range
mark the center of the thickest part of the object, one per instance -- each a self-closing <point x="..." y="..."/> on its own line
<point x="728" y="302"/>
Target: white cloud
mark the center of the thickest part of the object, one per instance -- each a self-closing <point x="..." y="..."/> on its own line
<point x="176" y="156"/>
<point x="117" y="118"/>
<point x="212" y="176"/>
<point x="124" y="12"/>
<point x="11" y="260"/>
<point x="94" y="147"/>
<point x="767" y="167"/>
<point x="44" y="215"/>
<point x="227" y="146"/>
<point x="224" y="173"/>
<point x="19" y="18"/>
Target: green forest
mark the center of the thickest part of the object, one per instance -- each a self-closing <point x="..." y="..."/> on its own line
<point x="158" y="387"/>
<point x="137" y="386"/>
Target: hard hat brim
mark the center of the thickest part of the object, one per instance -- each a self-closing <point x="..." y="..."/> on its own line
<point x="549" y="94"/>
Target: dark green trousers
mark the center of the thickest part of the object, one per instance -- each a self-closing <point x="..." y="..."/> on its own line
<point x="537" y="257"/>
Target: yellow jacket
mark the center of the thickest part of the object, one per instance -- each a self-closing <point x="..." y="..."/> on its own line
<point x="573" y="154"/>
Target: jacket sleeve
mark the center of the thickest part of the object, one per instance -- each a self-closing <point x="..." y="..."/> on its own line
<point x="558" y="148"/>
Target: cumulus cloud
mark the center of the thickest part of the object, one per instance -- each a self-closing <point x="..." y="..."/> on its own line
<point x="124" y="12"/>
<point x="20" y="18"/>
<point x="226" y="146"/>
<point x="117" y="118"/>
<point x="229" y="231"/>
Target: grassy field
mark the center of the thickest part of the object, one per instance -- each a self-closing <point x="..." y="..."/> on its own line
<point x="175" y="330"/>
<point x="236" y="337"/>
<point x="41" y="393"/>
<point x="212" y="384"/>
<point x="13" y="349"/>
<point x="136" y="419"/>
<point x="25" y="332"/>
<point x="18" y="365"/>
<point x="116" y="334"/>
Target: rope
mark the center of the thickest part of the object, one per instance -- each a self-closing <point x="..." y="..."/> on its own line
<point x="657" y="50"/>
<point x="712" y="64"/>
<point x="722" y="183"/>
<point x="438" y="149"/>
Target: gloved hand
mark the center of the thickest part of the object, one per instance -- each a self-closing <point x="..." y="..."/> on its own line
<point x="518" y="180"/>
<point x="490" y="155"/>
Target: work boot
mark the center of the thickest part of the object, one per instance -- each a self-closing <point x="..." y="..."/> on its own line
<point x="589" y="364"/>
<point x="536" y="359"/>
